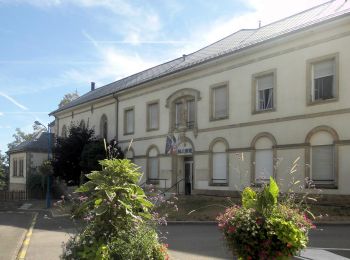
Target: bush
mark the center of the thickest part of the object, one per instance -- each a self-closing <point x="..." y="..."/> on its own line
<point x="118" y="217"/>
<point x="263" y="228"/>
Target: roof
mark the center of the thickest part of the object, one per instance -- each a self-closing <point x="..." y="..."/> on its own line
<point x="233" y="43"/>
<point x="38" y="144"/>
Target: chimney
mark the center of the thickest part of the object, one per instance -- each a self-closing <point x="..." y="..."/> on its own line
<point x="92" y="86"/>
<point x="184" y="57"/>
<point x="259" y="23"/>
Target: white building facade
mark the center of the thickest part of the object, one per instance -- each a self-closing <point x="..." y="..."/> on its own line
<point x="272" y="101"/>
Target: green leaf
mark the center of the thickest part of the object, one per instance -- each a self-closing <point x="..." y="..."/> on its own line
<point x="100" y="210"/>
<point x="273" y="190"/>
<point x="98" y="202"/>
<point x="249" y="198"/>
<point x="110" y="195"/>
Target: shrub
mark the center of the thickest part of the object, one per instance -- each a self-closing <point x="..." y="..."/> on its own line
<point x="118" y="217"/>
<point x="263" y="228"/>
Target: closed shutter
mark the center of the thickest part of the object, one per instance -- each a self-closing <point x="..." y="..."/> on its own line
<point x="322" y="163"/>
<point x="178" y="114"/>
<point x="220" y="102"/>
<point x="153" y="116"/>
<point x="153" y="168"/>
<point x="263" y="165"/>
<point x="190" y="112"/>
<point x="323" y="69"/>
<point x="219" y="168"/>
<point x="130" y="121"/>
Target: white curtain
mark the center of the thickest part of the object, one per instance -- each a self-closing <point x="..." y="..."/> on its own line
<point x="219" y="168"/>
<point x="220" y="102"/>
<point x="263" y="165"/>
<point x="264" y="92"/>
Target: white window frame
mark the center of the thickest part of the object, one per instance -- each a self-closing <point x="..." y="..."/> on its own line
<point x="128" y="131"/>
<point x="213" y="113"/>
<point x="149" y="116"/>
<point x="256" y="91"/>
<point x="313" y="171"/>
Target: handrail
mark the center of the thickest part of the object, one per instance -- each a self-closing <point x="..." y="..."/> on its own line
<point x="177" y="187"/>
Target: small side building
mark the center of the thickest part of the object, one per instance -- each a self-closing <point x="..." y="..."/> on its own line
<point x="26" y="157"/>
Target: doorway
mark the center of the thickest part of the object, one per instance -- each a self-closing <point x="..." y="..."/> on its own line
<point x="188" y="165"/>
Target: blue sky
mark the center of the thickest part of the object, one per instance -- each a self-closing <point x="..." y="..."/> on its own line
<point x="52" y="47"/>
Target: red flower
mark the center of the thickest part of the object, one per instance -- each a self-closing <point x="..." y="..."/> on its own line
<point x="231" y="229"/>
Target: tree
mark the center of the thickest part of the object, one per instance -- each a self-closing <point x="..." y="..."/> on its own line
<point x="67" y="154"/>
<point x="68" y="98"/>
<point x="3" y="171"/>
<point x="20" y="137"/>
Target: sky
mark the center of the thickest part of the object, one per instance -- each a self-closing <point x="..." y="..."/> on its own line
<point x="49" y="48"/>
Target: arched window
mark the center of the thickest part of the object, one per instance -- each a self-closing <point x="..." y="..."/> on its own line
<point x="263" y="157"/>
<point x="321" y="157"/>
<point x="183" y="110"/>
<point x="152" y="165"/>
<point x="219" y="162"/>
<point x="64" y="131"/>
<point x="104" y="127"/>
<point x="82" y="124"/>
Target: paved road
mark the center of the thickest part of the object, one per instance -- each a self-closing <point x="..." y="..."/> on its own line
<point x="203" y="242"/>
<point x="197" y="242"/>
<point x="13" y="227"/>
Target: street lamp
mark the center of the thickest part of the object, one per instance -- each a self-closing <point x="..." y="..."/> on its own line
<point x="48" y="195"/>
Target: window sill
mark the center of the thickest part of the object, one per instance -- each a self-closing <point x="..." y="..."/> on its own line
<point x="218" y="118"/>
<point x="129" y="133"/>
<point x="322" y="101"/>
<point x="152" y="129"/>
<point x="17" y="176"/>
<point x="218" y="184"/>
<point x="254" y="112"/>
<point x="154" y="182"/>
<point x="330" y="186"/>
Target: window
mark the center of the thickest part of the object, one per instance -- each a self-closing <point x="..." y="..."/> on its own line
<point x="129" y="117"/>
<point x="104" y="127"/>
<point x="219" y="102"/>
<point x="323" y="83"/>
<point x="263" y="165"/>
<point x="322" y="164"/>
<point x="321" y="157"/>
<point x="219" y="162"/>
<point x="82" y="123"/>
<point x="15" y="172"/>
<point x="182" y="106"/>
<point x="21" y="167"/>
<point x="190" y="114"/>
<point x="263" y="157"/>
<point x="64" y="131"/>
<point x="264" y="91"/>
<point x="153" y="116"/>
<point x="152" y="165"/>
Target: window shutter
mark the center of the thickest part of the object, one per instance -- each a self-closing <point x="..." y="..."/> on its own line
<point x="265" y="82"/>
<point x="153" y="168"/>
<point x="178" y="114"/>
<point x="153" y="116"/>
<point x="323" y="163"/>
<point x="263" y="165"/>
<point x="219" y="168"/>
<point x="190" y="113"/>
<point x="130" y="121"/>
<point x="220" y="102"/>
<point x="323" y="69"/>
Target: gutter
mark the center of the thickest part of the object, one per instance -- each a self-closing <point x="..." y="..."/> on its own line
<point x="116" y="116"/>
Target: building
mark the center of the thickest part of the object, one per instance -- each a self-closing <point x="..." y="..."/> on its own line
<point x="238" y="111"/>
<point x="25" y="158"/>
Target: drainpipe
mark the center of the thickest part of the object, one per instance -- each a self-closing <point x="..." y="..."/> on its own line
<point x="116" y="116"/>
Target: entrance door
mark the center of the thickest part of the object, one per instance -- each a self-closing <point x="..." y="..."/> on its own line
<point x="188" y="163"/>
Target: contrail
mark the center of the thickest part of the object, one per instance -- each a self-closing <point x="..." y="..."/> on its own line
<point x="13" y="101"/>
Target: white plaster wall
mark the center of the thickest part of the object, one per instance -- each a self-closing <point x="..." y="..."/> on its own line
<point x="38" y="158"/>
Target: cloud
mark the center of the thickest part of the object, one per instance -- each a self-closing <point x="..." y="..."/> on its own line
<point x="1" y="113"/>
<point x="266" y="12"/>
<point x="13" y="101"/>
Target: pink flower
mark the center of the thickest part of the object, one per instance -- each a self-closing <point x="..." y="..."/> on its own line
<point x="231" y="229"/>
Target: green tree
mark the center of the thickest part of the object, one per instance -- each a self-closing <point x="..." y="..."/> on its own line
<point x="20" y="137"/>
<point x="3" y="171"/>
<point x="68" y="98"/>
<point x="67" y="153"/>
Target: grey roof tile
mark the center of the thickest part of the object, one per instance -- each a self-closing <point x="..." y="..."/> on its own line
<point x="38" y="144"/>
<point x="232" y="43"/>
